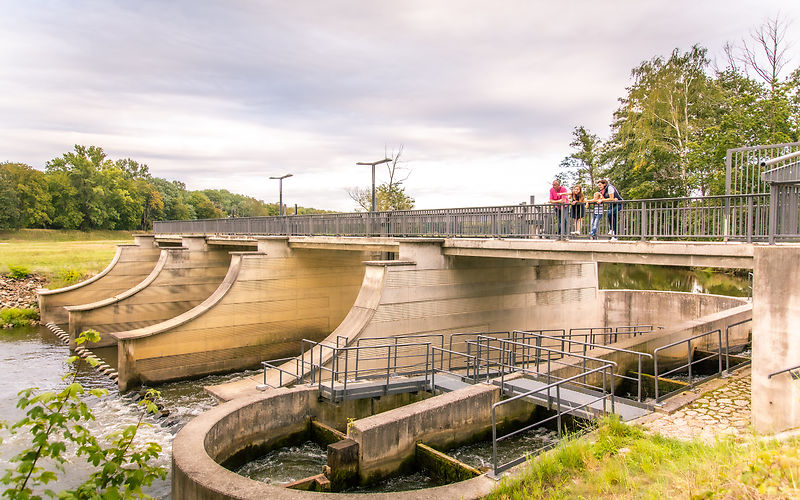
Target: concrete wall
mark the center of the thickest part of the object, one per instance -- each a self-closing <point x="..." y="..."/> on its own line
<point x="183" y="278"/>
<point x="427" y="292"/>
<point x="219" y="433"/>
<point x="776" y="338"/>
<point x="266" y="304"/>
<point x="643" y="307"/>
<point x="130" y="265"/>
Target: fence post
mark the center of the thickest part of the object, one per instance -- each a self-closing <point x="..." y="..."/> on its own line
<point x="644" y="220"/>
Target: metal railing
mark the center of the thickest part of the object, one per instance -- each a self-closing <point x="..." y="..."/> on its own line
<point x="740" y="217"/>
<point x="728" y="343"/>
<point x="791" y="370"/>
<point x="549" y="393"/>
<point x="568" y="345"/>
<point x="690" y="361"/>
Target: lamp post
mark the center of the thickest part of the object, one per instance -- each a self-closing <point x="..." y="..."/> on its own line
<point x="280" y="191"/>
<point x="385" y="160"/>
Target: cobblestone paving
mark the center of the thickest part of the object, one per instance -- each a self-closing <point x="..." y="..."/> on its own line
<point x="723" y="411"/>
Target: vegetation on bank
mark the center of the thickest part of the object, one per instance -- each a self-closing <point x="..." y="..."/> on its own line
<point x="63" y="257"/>
<point x="624" y="462"/>
<point x="15" y="316"/>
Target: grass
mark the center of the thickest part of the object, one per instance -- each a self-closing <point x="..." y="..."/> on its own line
<point x="18" y="317"/>
<point x="623" y="462"/>
<point x="58" y="255"/>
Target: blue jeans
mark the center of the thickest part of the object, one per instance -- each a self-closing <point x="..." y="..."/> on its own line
<point x="612" y="216"/>
<point x="595" y="223"/>
<point x="561" y="220"/>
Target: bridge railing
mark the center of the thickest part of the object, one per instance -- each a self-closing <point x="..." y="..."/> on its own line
<point x="740" y="217"/>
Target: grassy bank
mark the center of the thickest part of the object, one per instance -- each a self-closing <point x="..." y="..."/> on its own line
<point x="623" y="462"/>
<point x="63" y="257"/>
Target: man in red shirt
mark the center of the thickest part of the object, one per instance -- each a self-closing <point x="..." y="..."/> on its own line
<point x="559" y="197"/>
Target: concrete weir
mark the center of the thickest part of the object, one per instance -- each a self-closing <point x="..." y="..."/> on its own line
<point x="182" y="278"/>
<point x="427" y="292"/>
<point x="130" y="265"/>
<point x="267" y="302"/>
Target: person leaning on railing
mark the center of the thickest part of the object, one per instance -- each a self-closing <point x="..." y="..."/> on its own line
<point x="610" y="195"/>
<point x="577" y="208"/>
<point x="559" y="197"/>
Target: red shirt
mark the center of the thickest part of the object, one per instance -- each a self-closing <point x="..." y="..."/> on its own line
<point x="561" y="194"/>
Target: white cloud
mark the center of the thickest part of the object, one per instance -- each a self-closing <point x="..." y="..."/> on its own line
<point x="483" y="95"/>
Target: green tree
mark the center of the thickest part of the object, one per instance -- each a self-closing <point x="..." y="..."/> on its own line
<point x="667" y="105"/>
<point x="585" y="164"/>
<point x="54" y="419"/>
<point x="32" y="196"/>
<point x="389" y="195"/>
<point x="203" y="207"/>
<point x="9" y="200"/>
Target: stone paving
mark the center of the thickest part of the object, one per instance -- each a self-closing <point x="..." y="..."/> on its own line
<point x="722" y="411"/>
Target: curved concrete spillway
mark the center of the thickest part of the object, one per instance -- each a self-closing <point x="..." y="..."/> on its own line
<point x="426" y="292"/>
<point x="130" y="265"/>
<point x="266" y="304"/>
<point x="182" y="278"/>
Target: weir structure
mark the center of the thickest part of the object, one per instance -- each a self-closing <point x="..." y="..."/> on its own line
<point x="212" y="296"/>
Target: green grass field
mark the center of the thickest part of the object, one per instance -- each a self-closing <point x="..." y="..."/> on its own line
<point x="62" y="256"/>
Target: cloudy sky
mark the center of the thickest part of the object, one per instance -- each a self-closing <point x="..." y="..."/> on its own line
<point x="482" y="95"/>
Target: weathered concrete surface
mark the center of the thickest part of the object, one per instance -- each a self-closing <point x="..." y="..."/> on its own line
<point x="268" y="301"/>
<point x="387" y="440"/>
<point x="427" y="292"/>
<point x="669" y="253"/>
<point x="657" y="308"/>
<point x="130" y="265"/>
<point x="776" y="338"/>
<point x="223" y="431"/>
<point x="182" y="278"/>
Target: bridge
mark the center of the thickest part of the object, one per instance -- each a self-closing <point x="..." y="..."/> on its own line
<point x="210" y="296"/>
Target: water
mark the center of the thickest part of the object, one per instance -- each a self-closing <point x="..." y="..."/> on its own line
<point x="287" y="464"/>
<point x="34" y="357"/>
<point x="671" y="278"/>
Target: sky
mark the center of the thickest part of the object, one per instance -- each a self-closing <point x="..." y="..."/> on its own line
<point x="481" y="96"/>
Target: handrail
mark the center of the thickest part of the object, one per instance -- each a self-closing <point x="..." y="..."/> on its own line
<point x="727" y="342"/>
<point x="497" y="469"/>
<point x="690" y="362"/>
<point x="773" y="161"/>
<point x="783" y="371"/>
<point x="638" y="354"/>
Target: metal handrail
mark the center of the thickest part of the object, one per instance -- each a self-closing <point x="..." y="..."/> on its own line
<point x="729" y="217"/>
<point x="727" y="343"/>
<point x="783" y="371"/>
<point x="498" y="469"/>
<point x="690" y="362"/>
<point x="586" y="345"/>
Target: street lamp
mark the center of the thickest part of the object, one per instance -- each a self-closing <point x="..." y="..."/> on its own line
<point x="280" y="190"/>
<point x="385" y="160"/>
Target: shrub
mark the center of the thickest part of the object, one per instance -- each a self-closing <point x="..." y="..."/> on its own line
<point x="18" y="272"/>
<point x="121" y="466"/>
<point x="18" y="317"/>
<point x="67" y="276"/>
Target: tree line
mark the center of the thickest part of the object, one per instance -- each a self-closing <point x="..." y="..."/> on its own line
<point x="682" y="112"/>
<point x="84" y="189"/>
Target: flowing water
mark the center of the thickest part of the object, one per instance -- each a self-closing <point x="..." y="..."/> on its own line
<point x="34" y="357"/>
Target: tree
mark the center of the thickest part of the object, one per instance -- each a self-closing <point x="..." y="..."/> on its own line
<point x="654" y="129"/>
<point x="389" y="195"/>
<point x="31" y="199"/>
<point x="585" y="163"/>
<point x="765" y="55"/>
<point x="55" y="418"/>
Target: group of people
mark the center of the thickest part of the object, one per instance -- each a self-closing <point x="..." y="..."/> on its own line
<point x="573" y="205"/>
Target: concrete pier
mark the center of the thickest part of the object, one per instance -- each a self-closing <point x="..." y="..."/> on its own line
<point x="266" y="304"/>
<point x="776" y="338"/>
<point x="130" y="265"/>
<point x="182" y="278"/>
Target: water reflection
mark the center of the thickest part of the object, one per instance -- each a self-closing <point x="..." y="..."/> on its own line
<point x="733" y="283"/>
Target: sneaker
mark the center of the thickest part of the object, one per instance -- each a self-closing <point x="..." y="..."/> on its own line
<point x="613" y="238"/>
<point x="612" y="233"/>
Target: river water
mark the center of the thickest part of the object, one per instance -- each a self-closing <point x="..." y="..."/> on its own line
<point x="34" y="357"/>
